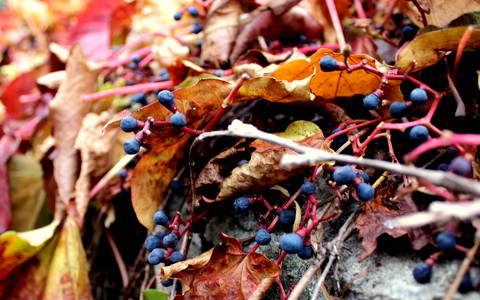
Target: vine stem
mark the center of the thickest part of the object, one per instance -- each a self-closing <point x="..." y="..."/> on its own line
<point x="131" y="89"/>
<point x="332" y="9"/>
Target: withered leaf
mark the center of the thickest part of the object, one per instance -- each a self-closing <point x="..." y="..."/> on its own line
<point x="67" y="111"/>
<point x="225" y="272"/>
<point x="8" y="146"/>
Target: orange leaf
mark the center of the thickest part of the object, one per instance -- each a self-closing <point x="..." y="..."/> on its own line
<point x="225" y="272"/>
<point x="331" y="85"/>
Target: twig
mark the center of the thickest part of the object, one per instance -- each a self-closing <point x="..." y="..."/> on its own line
<point x="118" y="258"/>
<point x="332" y="9"/>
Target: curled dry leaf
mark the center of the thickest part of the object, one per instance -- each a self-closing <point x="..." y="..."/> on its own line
<point x="331" y="85"/>
<point x="375" y="220"/>
<point x="167" y="50"/>
<point x="263" y="170"/>
<point x="226" y="272"/>
<point x="67" y="111"/>
<point x="154" y="172"/>
<point x="95" y="151"/>
<point x="427" y="49"/>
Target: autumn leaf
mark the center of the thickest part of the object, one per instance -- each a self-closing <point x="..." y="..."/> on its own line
<point x="263" y="169"/>
<point x="67" y="111"/>
<point x="225" y="272"/>
<point x="378" y="213"/>
<point x="8" y="146"/>
<point x="331" y="85"/>
<point x="427" y="49"/>
<point x="319" y="10"/>
<point x="68" y="273"/>
<point x="154" y="172"/>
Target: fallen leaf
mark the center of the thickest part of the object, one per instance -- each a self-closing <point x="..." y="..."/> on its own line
<point x="67" y="111"/>
<point x="331" y="85"/>
<point x="226" y="272"/>
<point x="16" y="248"/>
<point x="24" y="84"/>
<point x="376" y="219"/>
<point x="319" y="10"/>
<point x="427" y="49"/>
<point x="68" y="273"/>
<point x="168" y="50"/>
<point x="8" y="146"/>
<point x="440" y="12"/>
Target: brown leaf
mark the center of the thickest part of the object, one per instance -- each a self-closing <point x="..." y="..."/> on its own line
<point x="167" y="50"/>
<point x="225" y="272"/>
<point x="331" y="85"/>
<point x="376" y="216"/>
<point x="154" y="172"/>
<point x="67" y="111"/>
<point x="427" y="49"/>
<point x="95" y="151"/>
<point x="221" y="30"/>
<point x="319" y="10"/>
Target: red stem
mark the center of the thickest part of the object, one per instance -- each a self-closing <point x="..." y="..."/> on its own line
<point x="131" y="89"/>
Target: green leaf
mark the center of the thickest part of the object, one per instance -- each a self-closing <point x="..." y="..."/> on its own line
<point x="155" y="295"/>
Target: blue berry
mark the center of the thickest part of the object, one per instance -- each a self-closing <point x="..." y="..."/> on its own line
<point x="242" y="162"/>
<point x="371" y="101"/>
<point x="263" y="237"/>
<point x="167" y="282"/>
<point x="178" y="120"/>
<point x="131" y="146"/>
<point x="160" y="235"/>
<point x="156" y="256"/>
<point x="446" y="240"/>
<point x="466" y="285"/>
<point x="341" y="139"/>
<point x="460" y="166"/>
<point x="123" y="173"/>
<point x="139" y="98"/>
<point x="193" y="11"/>
<point x="398" y="110"/>
<point x="176" y="256"/>
<point x="177" y="15"/>
<point x="365" y="191"/>
<point x="136" y="59"/>
<point x="170" y="240"/>
<point x="422" y="273"/>
<point x="132" y="66"/>
<point x="408" y="33"/>
<point x="166" y="98"/>
<point x="219" y="73"/>
<point x="418" y="96"/>
<point x="164" y="75"/>
<point x="197" y="28"/>
<point x="306" y="252"/>
<point x="443" y="167"/>
<point x="198" y="43"/>
<point x="176" y="185"/>
<point x="160" y="218"/>
<point x="302" y="39"/>
<point x="365" y="177"/>
<point x="152" y="242"/>
<point x="241" y="204"/>
<point x="344" y="175"/>
<point x="419" y="133"/>
<point x="308" y="188"/>
<point x="328" y="64"/>
<point x="128" y="124"/>
<point x="287" y="217"/>
<point x="291" y="243"/>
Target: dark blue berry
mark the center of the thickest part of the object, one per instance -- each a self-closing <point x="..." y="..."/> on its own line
<point x="365" y="177"/>
<point x="156" y="256"/>
<point x="341" y="139"/>
<point x="328" y="64"/>
<point x="398" y="110"/>
<point x="123" y="173"/>
<point x="176" y="256"/>
<point x="446" y="240"/>
<point x="164" y="75"/>
<point x="408" y="33"/>
<point x="287" y="217"/>
<point x="167" y="282"/>
<point x="219" y="73"/>
<point x="443" y="167"/>
<point x="242" y="162"/>
<point x="291" y="243"/>
<point x="128" y="124"/>
<point x="306" y="252"/>
<point x="136" y="59"/>
<point x="152" y="242"/>
<point x="176" y="185"/>
<point x="365" y="191"/>
<point x="241" y="204"/>
<point x="422" y="273"/>
<point x="177" y="15"/>
<point x="419" y="133"/>
<point x="418" y="96"/>
<point x="198" y="43"/>
<point x="197" y="28"/>
<point x="263" y="237"/>
<point x="160" y="218"/>
<point x="178" y="120"/>
<point x="308" y="188"/>
<point x="170" y="240"/>
<point x="344" y="175"/>
<point x="166" y="98"/>
<point x="302" y="39"/>
<point x="460" y="166"/>
<point x="132" y="66"/>
<point x="193" y="11"/>
<point x="160" y="234"/>
<point x="466" y="285"/>
<point x="371" y="101"/>
<point x="139" y="98"/>
<point x="131" y="146"/>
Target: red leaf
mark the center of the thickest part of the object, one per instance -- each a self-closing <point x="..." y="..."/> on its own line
<point x="8" y="146"/>
<point x="22" y="85"/>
